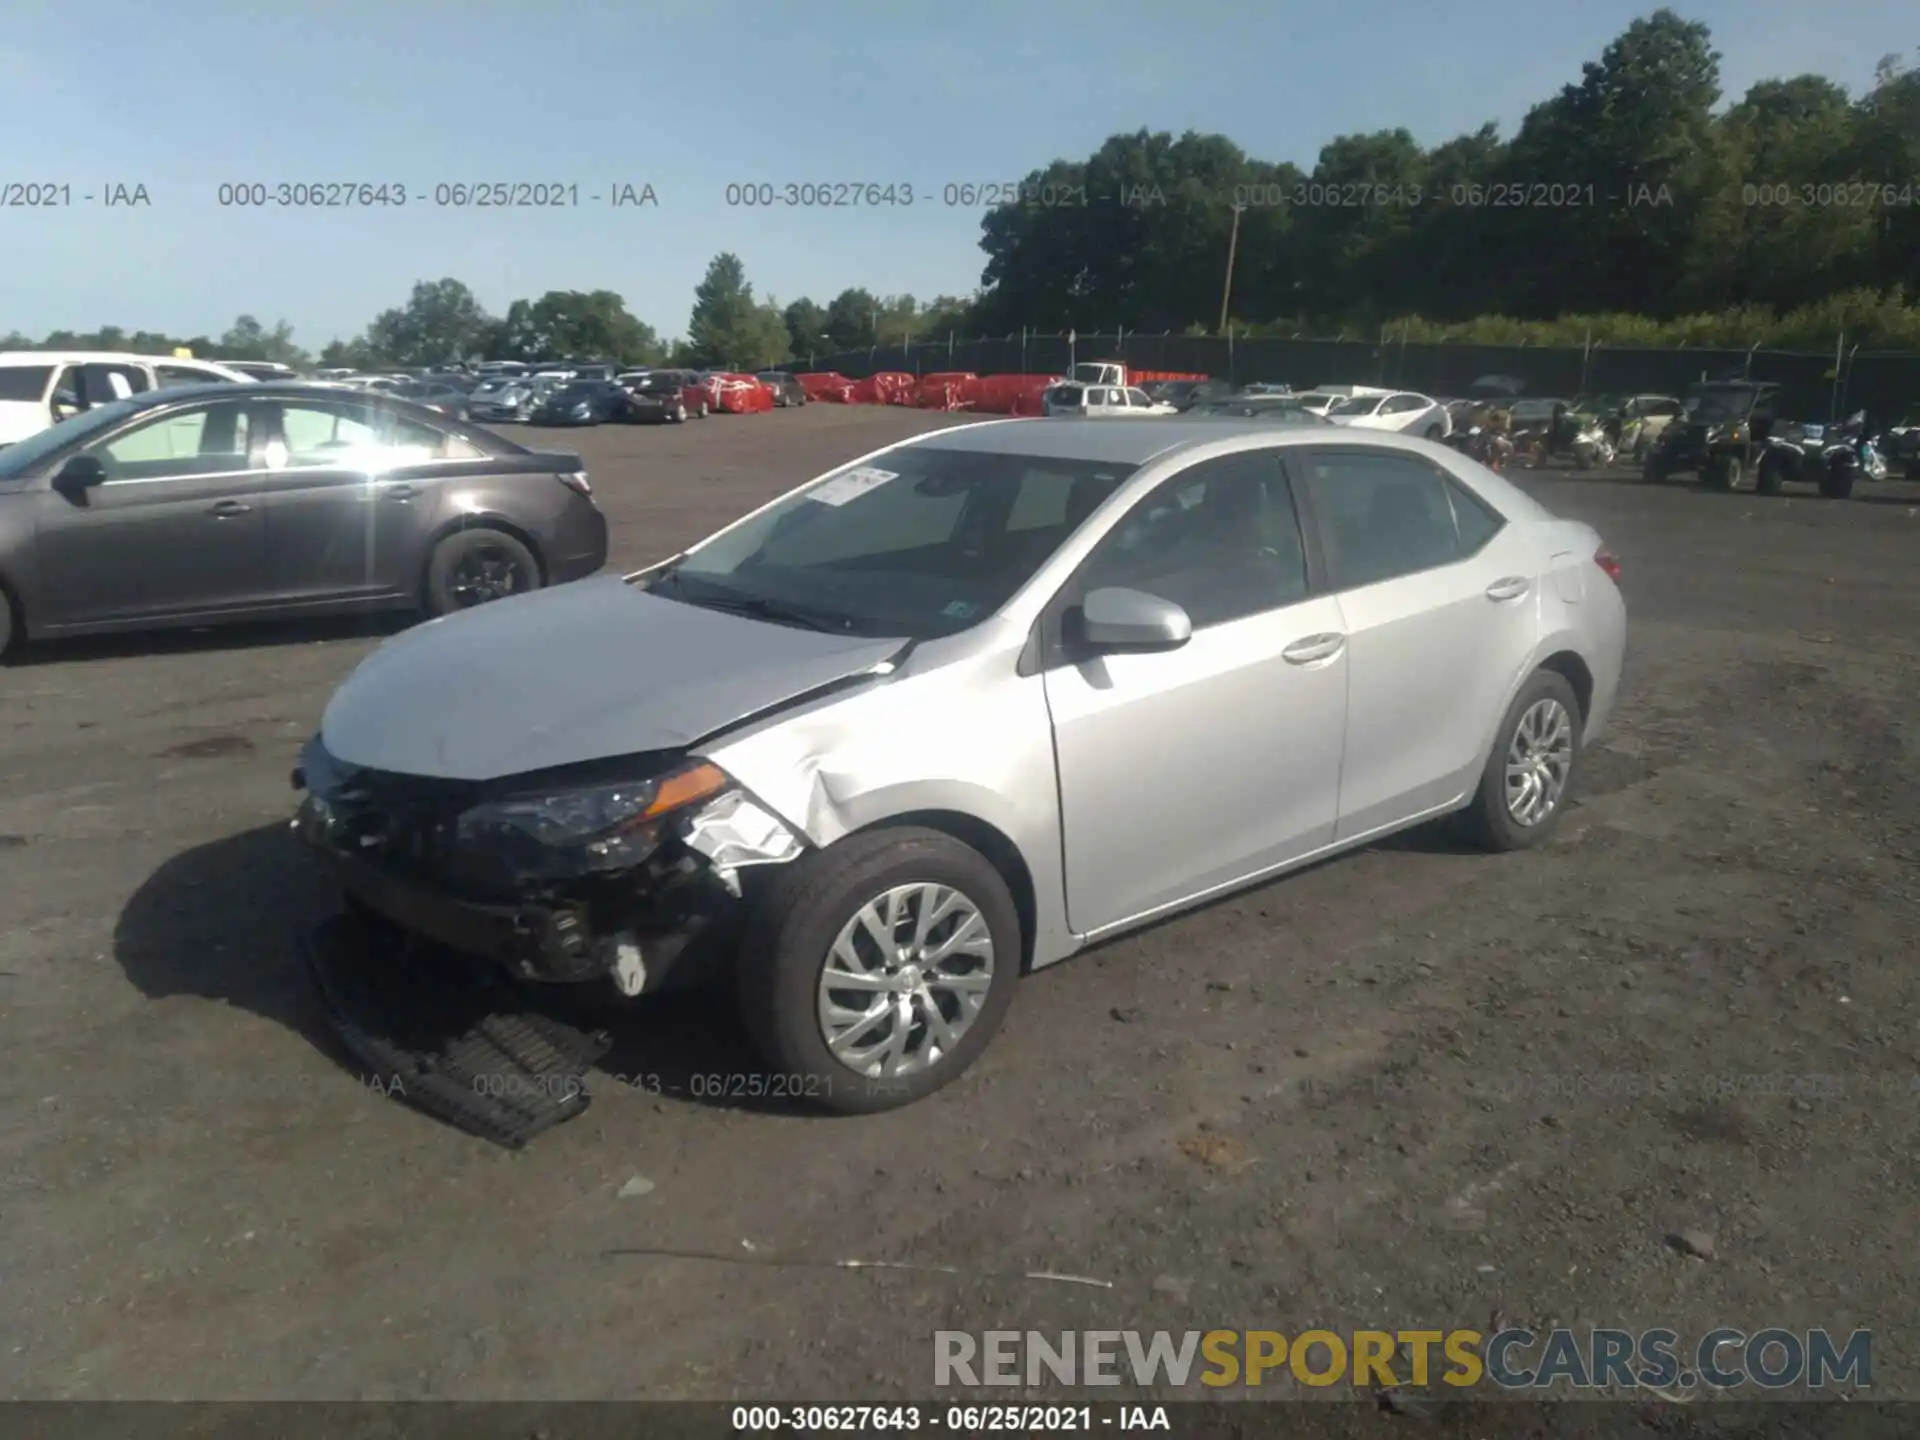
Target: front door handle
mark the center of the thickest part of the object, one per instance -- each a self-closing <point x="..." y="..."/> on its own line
<point x="400" y="492"/>
<point x="1512" y="587"/>
<point x="230" y="507"/>
<point x="1313" y="648"/>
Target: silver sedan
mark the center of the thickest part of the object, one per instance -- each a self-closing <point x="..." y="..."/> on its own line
<point x="963" y="708"/>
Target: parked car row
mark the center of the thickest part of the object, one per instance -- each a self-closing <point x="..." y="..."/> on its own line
<point x="658" y="396"/>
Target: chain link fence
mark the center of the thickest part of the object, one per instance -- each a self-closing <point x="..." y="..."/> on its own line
<point x="1885" y="385"/>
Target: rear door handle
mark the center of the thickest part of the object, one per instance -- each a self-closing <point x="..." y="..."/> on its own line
<point x="401" y="492"/>
<point x="1314" y="647"/>
<point x="1512" y="587"/>
<point x="230" y="507"/>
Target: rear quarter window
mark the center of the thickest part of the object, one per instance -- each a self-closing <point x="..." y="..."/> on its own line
<point x="24" y="382"/>
<point x="1474" y="519"/>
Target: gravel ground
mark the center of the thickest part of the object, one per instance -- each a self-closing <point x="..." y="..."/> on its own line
<point x="1410" y="1086"/>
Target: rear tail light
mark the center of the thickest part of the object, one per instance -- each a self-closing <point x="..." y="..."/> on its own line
<point x="576" y="481"/>
<point x="1608" y="562"/>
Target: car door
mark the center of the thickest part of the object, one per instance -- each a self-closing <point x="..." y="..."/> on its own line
<point x="1436" y="593"/>
<point x="353" y="492"/>
<point x="176" y="528"/>
<point x="1185" y="770"/>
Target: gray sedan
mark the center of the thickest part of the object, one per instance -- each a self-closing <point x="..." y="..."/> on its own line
<point x="201" y="504"/>
<point x="963" y="708"/>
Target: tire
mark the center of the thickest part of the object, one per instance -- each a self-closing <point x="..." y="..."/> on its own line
<point x="1838" y="486"/>
<point x="1724" y="473"/>
<point x="1770" y="478"/>
<point x="1491" y="820"/>
<point x="791" y="934"/>
<point x="680" y="413"/>
<point x="704" y="411"/>
<point x="1651" y="472"/>
<point x="13" y="633"/>
<point x="457" y="562"/>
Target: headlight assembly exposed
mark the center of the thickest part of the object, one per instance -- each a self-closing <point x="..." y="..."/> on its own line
<point x="612" y="824"/>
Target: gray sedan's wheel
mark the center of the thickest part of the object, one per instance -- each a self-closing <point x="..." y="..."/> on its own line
<point x="1530" y="773"/>
<point x="875" y="971"/>
<point x="11" y="630"/>
<point x="472" y="567"/>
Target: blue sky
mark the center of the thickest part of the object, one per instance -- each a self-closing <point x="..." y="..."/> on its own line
<point x="691" y="98"/>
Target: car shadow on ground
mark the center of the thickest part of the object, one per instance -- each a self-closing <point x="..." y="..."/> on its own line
<point x="243" y="635"/>
<point x="226" y="922"/>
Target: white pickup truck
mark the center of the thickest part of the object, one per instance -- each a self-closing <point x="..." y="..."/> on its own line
<point x="1100" y="390"/>
<point x="40" y="388"/>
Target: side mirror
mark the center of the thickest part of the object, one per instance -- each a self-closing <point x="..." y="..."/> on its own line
<point x="1119" y="619"/>
<point x="79" y="474"/>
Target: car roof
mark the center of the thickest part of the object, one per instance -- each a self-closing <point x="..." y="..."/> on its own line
<point x="67" y="357"/>
<point x="1126" y="440"/>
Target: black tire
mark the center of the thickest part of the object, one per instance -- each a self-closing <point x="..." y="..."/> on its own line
<point x="1488" y="820"/>
<point x="1770" y="478"/>
<point x="13" y="633"/>
<point x="1721" y="473"/>
<point x="1651" y="472"/>
<point x="455" y="565"/>
<point x="792" y="929"/>
<point x="1838" y="485"/>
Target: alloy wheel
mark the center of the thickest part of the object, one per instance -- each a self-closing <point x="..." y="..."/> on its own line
<point x="905" y="980"/>
<point x="484" y="574"/>
<point x="1539" y="759"/>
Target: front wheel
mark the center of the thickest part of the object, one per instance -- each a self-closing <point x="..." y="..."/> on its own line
<point x="472" y="567"/>
<point x="1531" y="770"/>
<point x="1652" y="472"/>
<point x="1770" y="478"/>
<point x="1838" y="484"/>
<point x="875" y="971"/>
<point x="1724" y="473"/>
<point x="680" y="414"/>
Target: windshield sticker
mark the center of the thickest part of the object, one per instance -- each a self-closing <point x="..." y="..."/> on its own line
<point x="961" y="610"/>
<point x="850" y="486"/>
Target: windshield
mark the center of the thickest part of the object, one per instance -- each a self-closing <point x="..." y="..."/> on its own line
<point x="29" y="452"/>
<point x="1732" y="403"/>
<point x="1358" y="405"/>
<point x="919" y="542"/>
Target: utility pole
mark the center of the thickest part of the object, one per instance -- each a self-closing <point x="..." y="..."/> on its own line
<point x="1226" y="288"/>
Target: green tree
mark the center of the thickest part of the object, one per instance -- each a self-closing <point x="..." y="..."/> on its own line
<point x="441" y="322"/>
<point x="806" y="326"/>
<point x="248" y="339"/>
<point x="851" y="320"/>
<point x="578" y="324"/>
<point x="728" y="329"/>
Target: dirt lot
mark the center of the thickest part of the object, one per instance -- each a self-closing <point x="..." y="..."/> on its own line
<point x="1412" y="1086"/>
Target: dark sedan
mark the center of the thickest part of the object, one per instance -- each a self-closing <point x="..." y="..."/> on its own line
<point x="786" y="390"/>
<point x="203" y="504"/>
<point x="582" y="402"/>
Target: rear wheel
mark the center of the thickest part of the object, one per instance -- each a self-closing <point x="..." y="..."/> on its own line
<point x="1724" y="472"/>
<point x="1652" y="471"/>
<point x="1531" y="770"/>
<point x="1838" y="484"/>
<point x="680" y="413"/>
<point x="875" y="971"/>
<point x="12" y="631"/>
<point x="1770" y="478"/>
<point x="472" y="567"/>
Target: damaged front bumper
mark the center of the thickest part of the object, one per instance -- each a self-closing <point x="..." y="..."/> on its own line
<point x="526" y="876"/>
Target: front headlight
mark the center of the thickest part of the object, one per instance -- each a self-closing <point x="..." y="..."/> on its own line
<point x="607" y="826"/>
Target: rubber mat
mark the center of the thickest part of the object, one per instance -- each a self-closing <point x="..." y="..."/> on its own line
<point x="447" y="1037"/>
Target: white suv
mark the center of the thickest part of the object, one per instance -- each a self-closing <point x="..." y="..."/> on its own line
<point x="40" y="388"/>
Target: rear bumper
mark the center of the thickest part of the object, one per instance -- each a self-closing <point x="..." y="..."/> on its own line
<point x="580" y="544"/>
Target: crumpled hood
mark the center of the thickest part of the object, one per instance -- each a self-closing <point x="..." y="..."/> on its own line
<point x="586" y="671"/>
